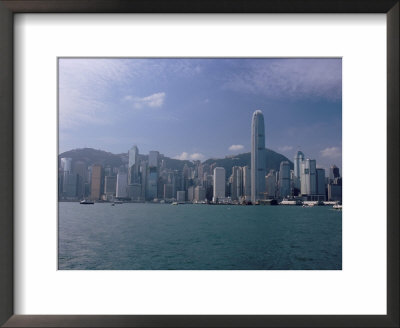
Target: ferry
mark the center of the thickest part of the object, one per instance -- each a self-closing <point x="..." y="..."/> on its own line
<point x="86" y="202"/>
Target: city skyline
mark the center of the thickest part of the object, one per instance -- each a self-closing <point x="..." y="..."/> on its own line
<point x="151" y="178"/>
<point x="197" y="109"/>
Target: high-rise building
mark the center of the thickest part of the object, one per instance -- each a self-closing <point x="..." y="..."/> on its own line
<point x="69" y="185"/>
<point x="95" y="188"/>
<point x="152" y="183"/>
<point x="65" y="170"/>
<point x="258" y="156"/>
<point x="334" y="192"/>
<point x="219" y="184"/>
<point x="199" y="194"/>
<point x="180" y="196"/>
<point x="152" y="176"/>
<point x="122" y="183"/>
<point x="298" y="159"/>
<point x="270" y="182"/>
<point x="236" y="183"/>
<point x="110" y="183"/>
<point x="246" y="182"/>
<point x="321" y="183"/>
<point x="133" y="165"/>
<point x="80" y="169"/>
<point x="153" y="158"/>
<point x="143" y="179"/>
<point x="334" y="172"/>
<point x="308" y="177"/>
<point x="135" y="191"/>
<point x="66" y="164"/>
<point x="168" y="189"/>
<point x="190" y="194"/>
<point x="284" y="179"/>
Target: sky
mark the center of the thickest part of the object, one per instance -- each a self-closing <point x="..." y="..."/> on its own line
<point x="198" y="108"/>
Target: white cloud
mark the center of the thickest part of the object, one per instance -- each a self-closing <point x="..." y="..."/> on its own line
<point x="186" y="156"/>
<point x="285" y="148"/>
<point x="331" y="152"/>
<point x="292" y="78"/>
<point x="197" y="156"/>
<point x="236" y="147"/>
<point x="153" y="101"/>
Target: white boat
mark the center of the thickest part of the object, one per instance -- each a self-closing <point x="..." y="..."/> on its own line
<point x="309" y="205"/>
<point x="174" y="203"/>
<point x="337" y="207"/>
<point x="86" y="202"/>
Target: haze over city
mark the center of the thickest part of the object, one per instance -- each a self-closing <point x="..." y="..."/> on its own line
<point x="201" y="108"/>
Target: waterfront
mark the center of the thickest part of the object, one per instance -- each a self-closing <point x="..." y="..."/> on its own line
<point x="198" y="237"/>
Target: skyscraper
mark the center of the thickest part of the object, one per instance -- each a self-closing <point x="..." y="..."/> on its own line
<point x="308" y="177"/>
<point x="270" y="181"/>
<point x="95" y="189"/>
<point x="152" y="178"/>
<point x="219" y="184"/>
<point x="153" y="158"/>
<point x="284" y="179"/>
<point x="121" y="187"/>
<point x="80" y="169"/>
<point x="334" y="172"/>
<point x="246" y="182"/>
<point x="321" y="183"/>
<point x="66" y="164"/>
<point x="237" y="185"/>
<point x="110" y="183"/>
<point x="258" y="156"/>
<point x="298" y="159"/>
<point x="133" y="166"/>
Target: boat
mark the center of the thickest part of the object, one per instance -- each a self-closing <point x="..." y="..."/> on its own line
<point x="308" y="205"/>
<point x="174" y="203"/>
<point x="86" y="202"/>
<point x="337" y="206"/>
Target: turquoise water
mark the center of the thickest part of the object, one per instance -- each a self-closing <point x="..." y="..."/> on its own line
<point x="198" y="237"/>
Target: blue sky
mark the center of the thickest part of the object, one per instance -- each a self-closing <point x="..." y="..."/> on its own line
<point x="201" y="108"/>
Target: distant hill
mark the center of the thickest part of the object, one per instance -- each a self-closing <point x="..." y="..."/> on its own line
<point x="94" y="156"/>
<point x="274" y="160"/>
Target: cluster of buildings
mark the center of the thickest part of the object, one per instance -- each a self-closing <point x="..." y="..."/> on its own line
<point x="148" y="178"/>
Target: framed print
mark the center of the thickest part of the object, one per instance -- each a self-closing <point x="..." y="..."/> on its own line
<point x="184" y="102"/>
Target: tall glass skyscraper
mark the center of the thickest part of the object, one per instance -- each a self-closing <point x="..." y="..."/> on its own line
<point x="298" y="159"/>
<point x="258" y="156"/>
<point x="284" y="179"/>
<point x="219" y="184"/>
<point x="133" y="166"/>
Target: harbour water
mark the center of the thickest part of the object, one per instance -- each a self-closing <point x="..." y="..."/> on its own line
<point x="198" y="237"/>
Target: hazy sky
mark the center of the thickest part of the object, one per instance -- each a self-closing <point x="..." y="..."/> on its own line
<point x="201" y="108"/>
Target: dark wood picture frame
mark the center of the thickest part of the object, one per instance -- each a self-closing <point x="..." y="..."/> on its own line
<point x="7" y="10"/>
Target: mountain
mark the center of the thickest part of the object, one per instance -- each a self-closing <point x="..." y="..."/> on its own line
<point x="94" y="156"/>
<point x="274" y="160"/>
